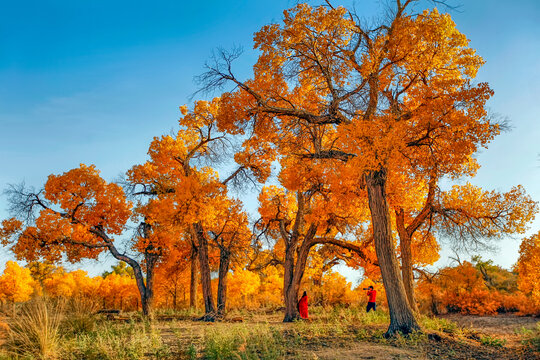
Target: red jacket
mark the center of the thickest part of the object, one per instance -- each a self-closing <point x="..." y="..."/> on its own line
<point x="372" y="295"/>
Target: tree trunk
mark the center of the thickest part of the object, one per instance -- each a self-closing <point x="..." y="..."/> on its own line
<point x="296" y="274"/>
<point x="145" y="290"/>
<point x="209" y="308"/>
<point x="193" y="279"/>
<point x="402" y="317"/>
<point x="291" y="303"/>
<point x="224" y="261"/>
<point x="406" y="259"/>
<point x="290" y="291"/>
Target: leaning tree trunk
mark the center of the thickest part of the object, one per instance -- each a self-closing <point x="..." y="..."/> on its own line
<point x="145" y="289"/>
<point x="209" y="308"/>
<point x="402" y="317"/>
<point x="193" y="278"/>
<point x="224" y="261"/>
<point x="406" y="259"/>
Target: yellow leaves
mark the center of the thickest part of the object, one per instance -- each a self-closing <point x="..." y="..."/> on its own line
<point x="528" y="267"/>
<point x="276" y="204"/>
<point x="425" y="249"/>
<point x="184" y="109"/>
<point x="308" y="39"/>
<point x="16" y="284"/>
<point x="257" y="156"/>
<point x="492" y="212"/>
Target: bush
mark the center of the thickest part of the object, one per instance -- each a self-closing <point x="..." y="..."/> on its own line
<point x="492" y="341"/>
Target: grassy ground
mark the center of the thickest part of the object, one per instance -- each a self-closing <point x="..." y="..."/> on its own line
<point x="60" y="331"/>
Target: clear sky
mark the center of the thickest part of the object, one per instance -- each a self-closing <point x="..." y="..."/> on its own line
<point x="94" y="81"/>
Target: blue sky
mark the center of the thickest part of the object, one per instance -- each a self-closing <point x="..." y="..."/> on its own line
<point x="94" y="81"/>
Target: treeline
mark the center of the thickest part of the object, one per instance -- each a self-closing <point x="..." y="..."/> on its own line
<point x="116" y="289"/>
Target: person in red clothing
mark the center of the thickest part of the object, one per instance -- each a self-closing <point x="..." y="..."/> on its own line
<point x="372" y="295"/>
<point x="302" y="306"/>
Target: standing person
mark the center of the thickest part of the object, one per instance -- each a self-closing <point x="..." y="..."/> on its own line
<point x="372" y="295"/>
<point x="303" y="307"/>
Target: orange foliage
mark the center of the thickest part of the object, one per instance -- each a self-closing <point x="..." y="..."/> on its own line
<point x="474" y="289"/>
<point x="528" y="268"/>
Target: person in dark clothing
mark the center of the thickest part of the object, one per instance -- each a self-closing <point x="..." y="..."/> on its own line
<point x="372" y="295"/>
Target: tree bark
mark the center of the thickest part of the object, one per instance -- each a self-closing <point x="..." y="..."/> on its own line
<point x="209" y="308"/>
<point x="151" y="260"/>
<point x="406" y="259"/>
<point x="144" y="292"/>
<point x="296" y="274"/>
<point x="193" y="278"/>
<point x="402" y="317"/>
<point x="224" y="261"/>
<point x="290" y="291"/>
<point x="405" y="239"/>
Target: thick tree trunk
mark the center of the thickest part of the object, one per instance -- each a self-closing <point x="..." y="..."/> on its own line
<point x="224" y="261"/>
<point x="402" y="317"/>
<point x="148" y="298"/>
<point x="296" y="272"/>
<point x="193" y="278"/>
<point x="290" y="291"/>
<point x="406" y="259"/>
<point x="291" y="304"/>
<point x="407" y="271"/>
<point x="209" y="308"/>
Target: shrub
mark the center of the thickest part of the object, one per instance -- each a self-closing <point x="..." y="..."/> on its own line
<point x="492" y="341"/>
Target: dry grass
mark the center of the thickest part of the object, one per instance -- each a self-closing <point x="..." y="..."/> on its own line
<point x="40" y="331"/>
<point x="34" y="332"/>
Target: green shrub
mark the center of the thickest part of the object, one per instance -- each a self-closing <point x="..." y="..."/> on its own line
<point x="492" y="341"/>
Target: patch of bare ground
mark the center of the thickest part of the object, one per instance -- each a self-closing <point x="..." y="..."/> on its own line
<point x="494" y="325"/>
<point x="505" y="327"/>
<point x="361" y="350"/>
<point x="450" y="348"/>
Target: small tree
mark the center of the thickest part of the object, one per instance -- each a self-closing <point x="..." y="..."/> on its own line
<point x="76" y="215"/>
